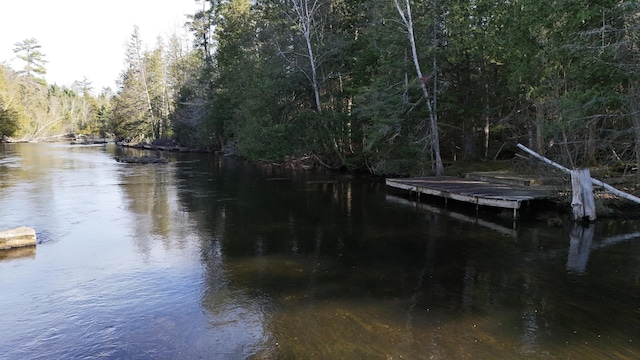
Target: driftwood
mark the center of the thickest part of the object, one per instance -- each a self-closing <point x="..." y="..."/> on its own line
<point x="597" y="182"/>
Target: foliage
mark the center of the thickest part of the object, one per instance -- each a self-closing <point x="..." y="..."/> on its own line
<point x="9" y="116"/>
<point x="50" y="110"/>
<point x="338" y="83"/>
<point x="31" y="109"/>
<point x="144" y="102"/>
<point x="507" y="72"/>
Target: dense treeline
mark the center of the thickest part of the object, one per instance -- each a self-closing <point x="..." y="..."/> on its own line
<point x="339" y="81"/>
<point x="30" y="109"/>
<point x="390" y="86"/>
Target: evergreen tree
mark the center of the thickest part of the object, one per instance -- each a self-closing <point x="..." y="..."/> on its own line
<point x="29" y="51"/>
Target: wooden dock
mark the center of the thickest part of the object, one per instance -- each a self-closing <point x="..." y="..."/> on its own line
<point x="501" y="195"/>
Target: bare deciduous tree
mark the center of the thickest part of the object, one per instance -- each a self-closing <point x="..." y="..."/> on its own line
<point x="407" y="21"/>
<point x="305" y="12"/>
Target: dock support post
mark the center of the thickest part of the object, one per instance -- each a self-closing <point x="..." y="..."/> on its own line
<point x="583" y="203"/>
<point x="606" y="186"/>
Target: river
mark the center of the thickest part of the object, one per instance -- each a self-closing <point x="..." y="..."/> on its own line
<point x="209" y="257"/>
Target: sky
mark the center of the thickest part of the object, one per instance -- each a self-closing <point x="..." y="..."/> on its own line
<point x="86" y="38"/>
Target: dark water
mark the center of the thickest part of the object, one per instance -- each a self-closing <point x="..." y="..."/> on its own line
<point x="213" y="258"/>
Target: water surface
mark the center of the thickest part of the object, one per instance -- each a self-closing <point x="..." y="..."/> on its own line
<point x="214" y="258"/>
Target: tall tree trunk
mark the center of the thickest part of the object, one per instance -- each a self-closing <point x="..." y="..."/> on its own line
<point x="487" y="110"/>
<point x="305" y="11"/>
<point x="591" y="143"/>
<point x="540" y="117"/>
<point x="143" y="73"/>
<point x="635" y="121"/>
<point x="469" y="140"/>
<point x="407" y="19"/>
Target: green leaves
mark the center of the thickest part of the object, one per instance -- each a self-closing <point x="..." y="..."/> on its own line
<point x="9" y="120"/>
<point x="507" y="71"/>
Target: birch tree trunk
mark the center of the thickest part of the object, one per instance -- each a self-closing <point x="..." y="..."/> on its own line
<point x="407" y="20"/>
<point x="305" y="11"/>
<point x="143" y="74"/>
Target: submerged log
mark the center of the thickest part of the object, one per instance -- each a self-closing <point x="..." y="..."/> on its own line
<point x="18" y="237"/>
<point x="142" y="160"/>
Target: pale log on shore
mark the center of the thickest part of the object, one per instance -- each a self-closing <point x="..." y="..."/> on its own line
<point x="18" y="237"/>
<point x="607" y="187"/>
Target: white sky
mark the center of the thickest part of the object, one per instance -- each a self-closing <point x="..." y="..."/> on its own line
<point x="87" y="37"/>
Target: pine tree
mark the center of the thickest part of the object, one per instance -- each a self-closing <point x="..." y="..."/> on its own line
<point x="29" y="51"/>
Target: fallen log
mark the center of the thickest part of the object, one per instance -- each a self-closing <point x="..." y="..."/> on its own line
<point x="607" y="187"/>
<point x="18" y="237"/>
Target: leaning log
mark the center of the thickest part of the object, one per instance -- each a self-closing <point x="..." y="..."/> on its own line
<point x="18" y="237"/>
<point x="597" y="182"/>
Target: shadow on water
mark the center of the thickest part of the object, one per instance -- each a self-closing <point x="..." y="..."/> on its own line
<point x="341" y="270"/>
<point x="214" y="257"/>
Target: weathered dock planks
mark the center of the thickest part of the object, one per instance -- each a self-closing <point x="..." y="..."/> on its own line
<point x="506" y="196"/>
<point x="454" y="215"/>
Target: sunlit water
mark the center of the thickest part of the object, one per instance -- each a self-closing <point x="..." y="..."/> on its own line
<point x="213" y="258"/>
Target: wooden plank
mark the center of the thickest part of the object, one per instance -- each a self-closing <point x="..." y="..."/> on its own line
<point x="501" y="177"/>
<point x="472" y="191"/>
<point x="455" y="193"/>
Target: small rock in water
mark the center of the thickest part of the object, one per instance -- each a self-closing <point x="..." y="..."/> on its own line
<point x="18" y="237"/>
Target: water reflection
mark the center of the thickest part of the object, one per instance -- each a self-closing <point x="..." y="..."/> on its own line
<point x="453" y="214"/>
<point x="580" y="241"/>
<point x="28" y="252"/>
<point x="582" y="244"/>
<point x="551" y="323"/>
<point x="213" y="257"/>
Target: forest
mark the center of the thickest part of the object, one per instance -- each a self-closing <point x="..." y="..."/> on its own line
<point x="382" y="86"/>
